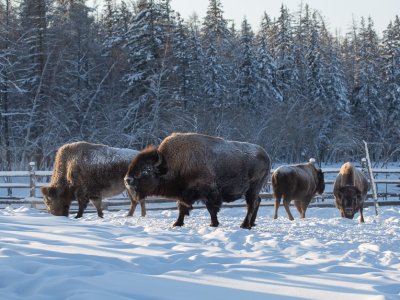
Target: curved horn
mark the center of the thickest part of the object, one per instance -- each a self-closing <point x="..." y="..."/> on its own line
<point x="159" y="160"/>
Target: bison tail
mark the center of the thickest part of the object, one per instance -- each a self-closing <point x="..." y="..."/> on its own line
<point x="275" y="179"/>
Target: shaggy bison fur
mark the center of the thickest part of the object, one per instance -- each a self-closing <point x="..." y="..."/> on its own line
<point x="86" y="171"/>
<point x="190" y="167"/>
<point x="299" y="183"/>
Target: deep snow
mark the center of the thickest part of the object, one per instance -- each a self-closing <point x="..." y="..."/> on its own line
<point x="320" y="257"/>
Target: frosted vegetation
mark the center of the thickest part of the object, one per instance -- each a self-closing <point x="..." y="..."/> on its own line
<point x="129" y="74"/>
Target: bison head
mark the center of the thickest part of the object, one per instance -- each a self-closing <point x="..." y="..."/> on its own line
<point x="144" y="172"/>
<point x="57" y="200"/>
<point x="321" y="181"/>
<point x="348" y="200"/>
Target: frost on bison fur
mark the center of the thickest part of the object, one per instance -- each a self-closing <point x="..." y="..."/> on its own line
<point x="299" y="183"/>
<point x="85" y="171"/>
<point x="350" y="190"/>
<point x="190" y="167"/>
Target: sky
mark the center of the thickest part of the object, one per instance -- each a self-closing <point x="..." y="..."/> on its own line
<point x="337" y="13"/>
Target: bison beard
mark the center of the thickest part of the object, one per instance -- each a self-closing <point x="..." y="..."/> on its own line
<point x="192" y="167"/>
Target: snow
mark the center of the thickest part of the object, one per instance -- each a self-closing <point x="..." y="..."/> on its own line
<point x="320" y="257"/>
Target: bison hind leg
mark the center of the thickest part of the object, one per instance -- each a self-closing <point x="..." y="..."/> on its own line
<point x="97" y="203"/>
<point x="286" y="203"/>
<point x="277" y="204"/>
<point x="253" y="202"/>
<point x="254" y="216"/>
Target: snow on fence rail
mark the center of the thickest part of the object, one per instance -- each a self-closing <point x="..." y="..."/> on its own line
<point x="28" y="184"/>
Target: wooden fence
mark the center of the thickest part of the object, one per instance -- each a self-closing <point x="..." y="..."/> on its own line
<point x="386" y="180"/>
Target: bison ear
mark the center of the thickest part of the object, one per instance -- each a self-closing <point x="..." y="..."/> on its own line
<point x="161" y="164"/>
<point x="50" y="191"/>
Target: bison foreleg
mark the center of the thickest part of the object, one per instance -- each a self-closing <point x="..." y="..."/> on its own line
<point x="361" y="215"/>
<point x="302" y="205"/>
<point x="183" y="211"/>
<point x="143" y="207"/>
<point x="82" y="202"/>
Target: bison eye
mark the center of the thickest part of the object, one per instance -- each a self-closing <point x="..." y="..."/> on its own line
<point x="146" y="172"/>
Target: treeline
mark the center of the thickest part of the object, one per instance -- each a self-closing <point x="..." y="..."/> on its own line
<point x="127" y="75"/>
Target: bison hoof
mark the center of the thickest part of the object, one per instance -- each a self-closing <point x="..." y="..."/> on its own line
<point x="177" y="224"/>
<point x="78" y="216"/>
<point x="214" y="224"/>
<point x="245" y="226"/>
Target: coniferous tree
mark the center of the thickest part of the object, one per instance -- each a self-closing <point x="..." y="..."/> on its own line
<point x="391" y="89"/>
<point x="217" y="45"/>
<point x="33" y="69"/>
<point x="370" y="104"/>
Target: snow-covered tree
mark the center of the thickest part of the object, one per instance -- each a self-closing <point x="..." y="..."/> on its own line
<point x="390" y="93"/>
<point x="369" y="108"/>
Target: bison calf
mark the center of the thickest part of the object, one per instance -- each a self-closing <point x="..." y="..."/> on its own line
<point x="190" y="167"/>
<point x="86" y="171"/>
<point x="350" y="190"/>
<point x="299" y="183"/>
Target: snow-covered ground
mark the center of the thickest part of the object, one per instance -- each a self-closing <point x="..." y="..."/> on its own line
<point x="321" y="257"/>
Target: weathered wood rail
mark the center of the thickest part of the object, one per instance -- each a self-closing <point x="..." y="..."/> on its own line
<point x="387" y="181"/>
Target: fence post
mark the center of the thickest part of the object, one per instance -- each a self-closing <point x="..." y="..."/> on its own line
<point x="371" y="178"/>
<point x="32" y="181"/>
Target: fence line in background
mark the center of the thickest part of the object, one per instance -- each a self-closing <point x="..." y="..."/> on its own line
<point x="36" y="181"/>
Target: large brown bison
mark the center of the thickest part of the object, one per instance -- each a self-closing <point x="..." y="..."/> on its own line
<point x="299" y="183"/>
<point x="350" y="190"/>
<point x="190" y="167"/>
<point x="86" y="171"/>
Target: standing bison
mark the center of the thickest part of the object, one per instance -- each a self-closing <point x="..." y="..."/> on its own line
<point x="190" y="167"/>
<point x="85" y="171"/>
<point x="299" y="183"/>
<point x="350" y="190"/>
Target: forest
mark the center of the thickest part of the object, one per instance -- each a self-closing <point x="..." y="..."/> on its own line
<point x="127" y="74"/>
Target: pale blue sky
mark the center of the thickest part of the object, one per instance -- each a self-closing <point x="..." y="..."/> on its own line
<point x="337" y="13"/>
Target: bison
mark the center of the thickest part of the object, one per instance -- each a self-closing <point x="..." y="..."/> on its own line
<point x="299" y="183"/>
<point x="350" y="191"/>
<point x="86" y="171"/>
<point x="190" y="167"/>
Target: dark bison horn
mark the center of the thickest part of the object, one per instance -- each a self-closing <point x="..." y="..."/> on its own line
<point x="159" y="160"/>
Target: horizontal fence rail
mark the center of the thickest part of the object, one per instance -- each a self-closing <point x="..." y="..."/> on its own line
<point x="23" y="188"/>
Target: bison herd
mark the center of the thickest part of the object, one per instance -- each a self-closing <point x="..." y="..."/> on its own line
<point x="189" y="167"/>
